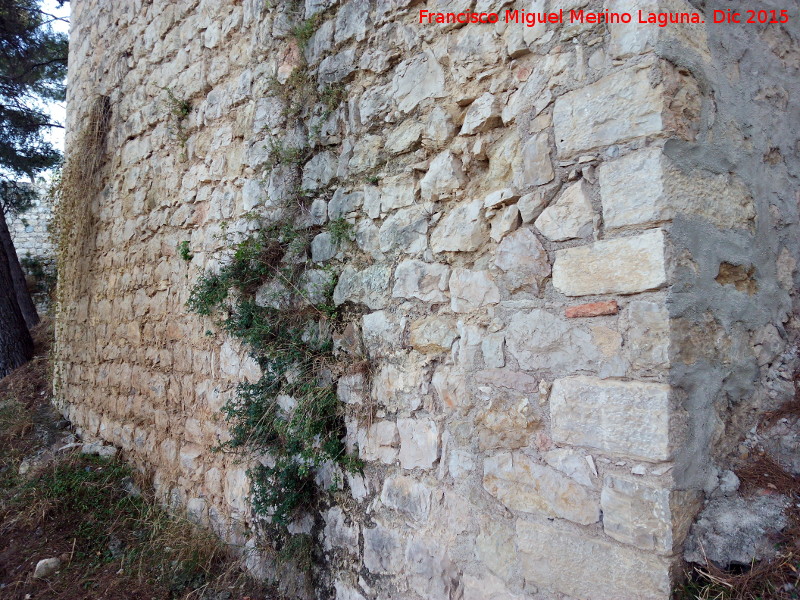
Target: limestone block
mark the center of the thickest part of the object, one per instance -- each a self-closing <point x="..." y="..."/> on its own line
<point x="352" y="21"/>
<point x="619" y="266"/>
<point x="338" y="534"/>
<point x="483" y="114"/>
<point x="630" y="418"/>
<point x="630" y="39"/>
<point x="369" y="286"/>
<point x="323" y="248"/>
<point x="646" y="188"/>
<point x="419" y="443"/>
<point x="431" y="574"/>
<point x="383" y="550"/>
<point x="451" y="386"/>
<point x="570" y="217"/>
<point x="344" y="205"/>
<point x="523" y="260"/>
<point x="645" y="515"/>
<point x="540" y="340"/>
<point x="573" y="464"/>
<point x="397" y="192"/>
<point x="506" y="422"/>
<point x="488" y="587"/>
<point x="405" y="230"/>
<point x="379" y="442"/>
<point x="352" y="388"/>
<point x="408" y="496"/>
<point x="523" y="485"/>
<point x="337" y="66"/>
<point x="319" y="171"/>
<point x="494" y="547"/>
<point x="346" y="592"/>
<point x="624" y="106"/>
<point x="506" y="221"/>
<point x="535" y="168"/>
<point x="439" y="129"/>
<point x="461" y="230"/>
<point x="404" y="137"/>
<point x="573" y="563"/>
<point x="417" y="79"/>
<point x="471" y="290"/>
<point x="444" y="177"/>
<point x="381" y="332"/>
<point x="647" y="334"/>
<point x="424" y="281"/>
<point x="400" y="386"/>
<point x="433" y="334"/>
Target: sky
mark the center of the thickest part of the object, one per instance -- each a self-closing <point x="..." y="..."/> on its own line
<point x="57" y="110"/>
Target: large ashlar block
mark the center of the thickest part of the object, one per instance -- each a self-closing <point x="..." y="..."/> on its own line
<point x="645" y="188"/>
<point x="630" y="39"/>
<point x="646" y="516"/>
<point x="583" y="567"/>
<point x="629" y="418"/>
<point x="620" y="266"/>
<point x="625" y="106"/>
<point x="524" y="485"/>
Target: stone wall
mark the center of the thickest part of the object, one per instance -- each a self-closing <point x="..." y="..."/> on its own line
<point x="572" y="259"/>
<point x="29" y="230"/>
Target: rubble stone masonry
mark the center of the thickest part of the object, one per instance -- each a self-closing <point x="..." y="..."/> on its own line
<point x="560" y="364"/>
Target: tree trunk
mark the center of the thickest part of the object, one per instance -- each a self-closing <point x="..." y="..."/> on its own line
<point x="16" y="345"/>
<point x="24" y="300"/>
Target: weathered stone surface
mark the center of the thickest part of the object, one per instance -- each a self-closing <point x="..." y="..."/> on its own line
<point x="323" y="247"/>
<point x="432" y="574"/>
<point x="352" y="20"/>
<point x="439" y="129"/>
<point x="381" y="331"/>
<point x="495" y="547"/>
<point x="419" y="443"/>
<point x="523" y="260"/>
<point x="489" y="587"/>
<point x="405" y="230"/>
<point x="572" y="464"/>
<point x="471" y="290"/>
<point x="628" y="418"/>
<point x="417" y="79"/>
<point x="531" y="205"/>
<point x="482" y="114"/>
<point x="379" y="442"/>
<point x="526" y="486"/>
<point x="461" y="230"/>
<point x="444" y="177"/>
<point x="572" y="563"/>
<point x="383" y="550"/>
<point x="319" y="171"/>
<point x="621" y="107"/>
<point x="397" y="192"/>
<point x="404" y="137"/>
<point x="508" y="421"/>
<point x="620" y="266"/>
<point x="505" y="222"/>
<point x="647" y="334"/>
<point x="369" y="286"/>
<point x="451" y="387"/>
<point x="408" y="496"/>
<point x="338" y="534"/>
<point x="424" y="281"/>
<point x="400" y="386"/>
<point x="433" y="334"/>
<point x="540" y="340"/>
<point x="646" y="188"/>
<point x="646" y="516"/>
<point x="571" y="215"/>
<point x="536" y="167"/>
<point x="352" y="388"/>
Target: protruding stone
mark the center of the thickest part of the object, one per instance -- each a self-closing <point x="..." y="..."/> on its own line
<point x="571" y="216"/>
<point x="379" y="442"/>
<point x="433" y="334"/>
<point x="461" y="230"/>
<point x="444" y="177"/>
<point x="482" y="115"/>
<point x="523" y="260"/>
<point x="619" y="266"/>
<point x="592" y="309"/>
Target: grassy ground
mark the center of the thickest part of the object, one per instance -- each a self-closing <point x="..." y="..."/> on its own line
<point x="112" y="539"/>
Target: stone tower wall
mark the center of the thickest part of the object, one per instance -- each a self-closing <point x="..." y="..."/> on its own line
<point x="573" y="263"/>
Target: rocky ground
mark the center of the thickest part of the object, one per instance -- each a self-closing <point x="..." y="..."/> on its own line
<point x="76" y="522"/>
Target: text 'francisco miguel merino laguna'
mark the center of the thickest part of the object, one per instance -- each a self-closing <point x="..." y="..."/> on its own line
<point x="530" y="19"/>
